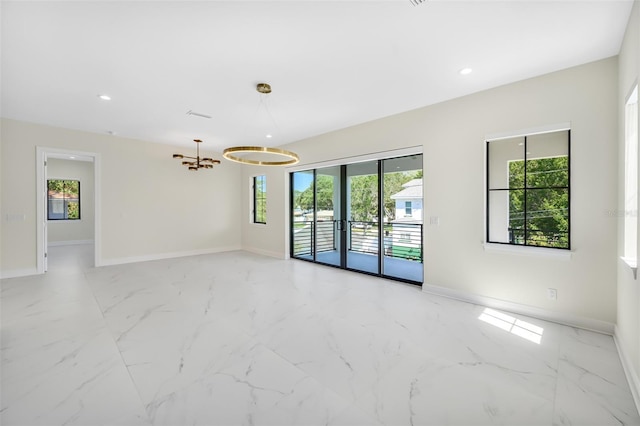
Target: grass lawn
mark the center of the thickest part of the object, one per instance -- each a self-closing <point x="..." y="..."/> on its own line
<point x="410" y="253"/>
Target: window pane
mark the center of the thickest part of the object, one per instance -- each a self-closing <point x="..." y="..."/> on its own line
<point x="56" y="209"/>
<point x="303" y="207"/>
<point x="260" y="199"/>
<point x="73" y="209"/>
<point x="547" y="160"/>
<point x="548" y="217"/>
<point x="500" y="154"/>
<point x="71" y="188"/>
<point x="506" y="216"/>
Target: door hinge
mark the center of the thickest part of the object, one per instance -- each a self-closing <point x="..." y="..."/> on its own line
<point x="45" y="255"/>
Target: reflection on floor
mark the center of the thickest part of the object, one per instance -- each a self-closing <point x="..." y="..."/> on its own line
<point x="393" y="266"/>
<point x="237" y="338"/>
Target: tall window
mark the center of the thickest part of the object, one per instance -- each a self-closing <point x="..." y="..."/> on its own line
<point x="260" y="199"/>
<point x="63" y="199"/>
<point x="631" y="178"/>
<point x="528" y="190"/>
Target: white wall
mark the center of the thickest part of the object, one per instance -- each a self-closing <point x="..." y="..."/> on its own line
<point x="451" y="135"/>
<point x="628" y="315"/>
<point x="151" y="206"/>
<point x="270" y="238"/>
<point x="73" y="230"/>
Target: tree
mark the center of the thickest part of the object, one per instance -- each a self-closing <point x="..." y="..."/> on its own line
<point x="364" y="198"/>
<point x="546" y="197"/>
<point x="364" y="194"/>
<point x="324" y="196"/>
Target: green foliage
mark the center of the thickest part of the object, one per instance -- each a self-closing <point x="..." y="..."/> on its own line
<point x="324" y="196"/>
<point x="546" y="194"/>
<point x="364" y="194"/>
<point x="364" y="198"/>
<point x="73" y="210"/>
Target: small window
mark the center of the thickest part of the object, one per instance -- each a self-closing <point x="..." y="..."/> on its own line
<point x="63" y="199"/>
<point x="260" y="199"/>
<point x="407" y="208"/>
<point x="528" y="190"/>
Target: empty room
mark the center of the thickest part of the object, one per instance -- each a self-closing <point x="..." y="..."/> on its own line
<point x="385" y="212"/>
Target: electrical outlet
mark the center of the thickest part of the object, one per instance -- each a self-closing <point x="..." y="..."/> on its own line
<point x="552" y="293"/>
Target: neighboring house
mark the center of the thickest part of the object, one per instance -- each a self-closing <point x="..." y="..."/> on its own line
<point x="404" y="238"/>
<point x="409" y="202"/>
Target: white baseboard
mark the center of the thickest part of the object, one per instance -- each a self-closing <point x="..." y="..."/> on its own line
<point x="160" y="256"/>
<point x="265" y="252"/>
<point x="517" y="308"/>
<point x="629" y="370"/>
<point x="69" y="243"/>
<point x="18" y="273"/>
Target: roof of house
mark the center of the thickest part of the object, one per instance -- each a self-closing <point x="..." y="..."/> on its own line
<point x="412" y="190"/>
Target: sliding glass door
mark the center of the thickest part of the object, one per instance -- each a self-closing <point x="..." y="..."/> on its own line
<point x="328" y="216"/>
<point x="363" y="232"/>
<point x="303" y="215"/>
<point x="403" y="228"/>
<point x="365" y="217"/>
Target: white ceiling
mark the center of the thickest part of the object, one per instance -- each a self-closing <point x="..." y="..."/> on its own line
<point x="331" y="64"/>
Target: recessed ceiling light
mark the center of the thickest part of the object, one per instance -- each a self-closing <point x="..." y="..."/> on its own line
<point x="269" y="136"/>
<point x="465" y="71"/>
<point x="105" y="97"/>
<point x="71" y="157"/>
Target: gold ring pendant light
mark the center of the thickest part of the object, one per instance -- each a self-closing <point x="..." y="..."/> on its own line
<point x="230" y="153"/>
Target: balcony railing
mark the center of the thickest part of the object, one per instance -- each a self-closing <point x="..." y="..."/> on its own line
<point x="541" y="238"/>
<point x="401" y="240"/>
<point x="303" y="237"/>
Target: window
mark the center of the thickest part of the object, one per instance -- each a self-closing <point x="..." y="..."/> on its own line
<point x="631" y="178"/>
<point x="407" y="208"/>
<point x="260" y="199"/>
<point x="528" y="190"/>
<point x="63" y="199"/>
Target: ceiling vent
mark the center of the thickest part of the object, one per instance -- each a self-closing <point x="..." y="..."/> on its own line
<point x="197" y="114"/>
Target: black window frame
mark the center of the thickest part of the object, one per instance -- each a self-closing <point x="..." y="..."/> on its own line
<point x="259" y="199"/>
<point x="64" y="200"/>
<point x="525" y="189"/>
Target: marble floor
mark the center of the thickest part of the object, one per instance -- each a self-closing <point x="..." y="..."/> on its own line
<point x="241" y="339"/>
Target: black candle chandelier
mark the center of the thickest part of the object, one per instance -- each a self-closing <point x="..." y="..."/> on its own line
<point x="197" y="163"/>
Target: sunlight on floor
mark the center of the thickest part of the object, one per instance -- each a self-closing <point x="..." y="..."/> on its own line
<point x="513" y="325"/>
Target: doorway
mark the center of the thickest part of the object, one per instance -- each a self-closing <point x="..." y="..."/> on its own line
<point x="72" y="220"/>
<point x="365" y="217"/>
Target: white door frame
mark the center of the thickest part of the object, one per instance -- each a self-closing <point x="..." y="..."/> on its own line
<point x="42" y="154"/>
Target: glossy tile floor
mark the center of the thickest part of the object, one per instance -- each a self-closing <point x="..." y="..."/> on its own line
<point x="237" y="338"/>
